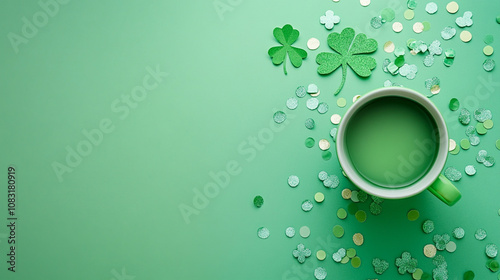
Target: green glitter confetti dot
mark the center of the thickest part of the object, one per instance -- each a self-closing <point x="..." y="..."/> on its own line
<point x="426" y="276"/>
<point x="375" y="208"/>
<point x="341" y="102"/>
<point x="448" y="32"/>
<point x="307" y="205"/>
<point x="360" y="216"/>
<point x="481" y="155"/>
<point x="301" y="91"/>
<point x="356" y="262"/>
<point x="454" y="104"/>
<point x="448" y="61"/>
<point x="380" y="266"/>
<point x="323" y="108"/>
<point x="290" y="232"/>
<point x="263" y="233"/>
<point x="362" y="196"/>
<point x="470" y="170"/>
<point x="376" y="22"/>
<point x="310" y="142"/>
<point x="326" y="155"/>
<point x="279" y="117"/>
<point x="498" y="19"/>
<point x="493" y="265"/>
<point x="464" y="117"/>
<point x="469" y="275"/>
<point x="489" y="161"/>
<point x="488" y="124"/>
<point x="427" y="25"/>
<point x="322" y="175"/>
<point x="412" y="4"/>
<point x="312" y="89"/>
<point x="333" y="134"/>
<point x="351" y="253"/>
<point x="331" y="182"/>
<point x="388" y="14"/>
<point x="400" y="61"/>
<point x="465" y="144"/>
<point x="293" y="181"/>
<point x="338" y="231"/>
<point x="488" y="39"/>
<point x="320" y="273"/>
<point x="258" y="201"/>
<point x="413" y="215"/>
<point x="480" y="234"/>
<point x="480" y="129"/>
<point x="301" y="253"/>
<point x="428" y="226"/>
<point x="417" y="275"/>
<point x="453" y="174"/>
<point x="345" y="260"/>
<point x="489" y="64"/>
<point x="458" y="233"/>
<point x="497" y="144"/>
<point x="474" y="140"/>
<point x="304" y="231"/>
<point x="491" y="250"/>
<point x="292" y="103"/>
<point x="455" y="151"/>
<point x="341" y="213"/>
<point x="309" y="123"/>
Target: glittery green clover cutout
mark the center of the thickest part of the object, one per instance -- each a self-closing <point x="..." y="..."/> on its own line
<point x="441" y="241"/>
<point x="406" y="263"/>
<point x="286" y="36"/>
<point x="349" y="50"/>
<point x="380" y="266"/>
<point x="301" y="253"/>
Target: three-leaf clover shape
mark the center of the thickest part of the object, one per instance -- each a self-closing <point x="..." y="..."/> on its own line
<point x="286" y="36"/>
<point x="349" y="50"/>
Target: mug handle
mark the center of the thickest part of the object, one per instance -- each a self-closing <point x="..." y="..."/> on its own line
<point x="443" y="189"/>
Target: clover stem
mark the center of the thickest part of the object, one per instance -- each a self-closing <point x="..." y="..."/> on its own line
<point x="284" y="66"/>
<point x="344" y="74"/>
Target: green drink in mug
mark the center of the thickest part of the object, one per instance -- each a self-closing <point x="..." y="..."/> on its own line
<point x="393" y="143"/>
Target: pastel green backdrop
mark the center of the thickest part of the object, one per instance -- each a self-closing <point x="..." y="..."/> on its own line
<point x="117" y="215"/>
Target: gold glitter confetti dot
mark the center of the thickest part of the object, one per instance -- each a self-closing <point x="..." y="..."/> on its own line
<point x="435" y="89"/>
<point x="465" y="36"/>
<point x="341" y="102"/>
<point x="315" y="94"/>
<point x="335" y="119"/>
<point x="358" y="239"/>
<point x="313" y="43"/>
<point x="364" y="3"/>
<point x="430" y="251"/>
<point x="319" y="197"/>
<point x="389" y="47"/>
<point x="397" y="27"/>
<point x="324" y="144"/>
<point x="452" y="145"/>
<point x="346" y="194"/>
<point x="409" y="14"/>
<point x="451" y="247"/>
<point x="418" y="27"/>
<point x="321" y="255"/>
<point x="488" y="50"/>
<point x="341" y="213"/>
<point x="488" y="124"/>
<point x="452" y="7"/>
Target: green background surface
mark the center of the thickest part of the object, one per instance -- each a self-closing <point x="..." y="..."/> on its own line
<point x="117" y="213"/>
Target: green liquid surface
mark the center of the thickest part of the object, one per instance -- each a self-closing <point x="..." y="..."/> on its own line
<point x="392" y="141"/>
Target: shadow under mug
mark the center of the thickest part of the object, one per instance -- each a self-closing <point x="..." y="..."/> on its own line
<point x="375" y="145"/>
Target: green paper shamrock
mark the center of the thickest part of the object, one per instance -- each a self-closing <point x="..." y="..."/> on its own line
<point x="301" y="253"/>
<point x="441" y="241"/>
<point x="380" y="266"/>
<point x="406" y="263"/>
<point x="348" y="51"/>
<point x="286" y="36"/>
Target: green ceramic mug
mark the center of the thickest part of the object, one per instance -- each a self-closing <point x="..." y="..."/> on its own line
<point x="393" y="143"/>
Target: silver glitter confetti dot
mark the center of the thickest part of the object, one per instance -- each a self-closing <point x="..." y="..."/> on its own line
<point x="453" y="174"/>
<point x="331" y="182"/>
<point x="320" y="273"/>
<point x="312" y="103"/>
<point x="470" y="170"/>
<point x="263" y="233"/>
<point x="431" y="8"/>
<point x="293" y="181"/>
<point x="301" y="91"/>
<point x="480" y="234"/>
<point x="279" y="117"/>
<point x="292" y="103"/>
<point x="309" y="123"/>
<point x="307" y="205"/>
<point x="322" y="108"/>
<point x="458" y="233"/>
<point x="491" y="250"/>
<point x="290" y="232"/>
<point x="322" y="175"/>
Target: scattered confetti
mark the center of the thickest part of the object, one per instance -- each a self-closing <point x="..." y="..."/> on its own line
<point x="465" y="36"/>
<point x="307" y="205"/>
<point x="430" y="251"/>
<point x="293" y="181"/>
<point x="358" y="239"/>
<point x="346" y="194"/>
<point x="304" y="231"/>
<point x="290" y="232"/>
<point x="329" y="19"/>
<point x="356" y="262"/>
<point x="309" y="123"/>
<point x="488" y="39"/>
<point x="452" y="7"/>
<point x="493" y="265"/>
<point x="309" y="142"/>
<point x="409" y="71"/>
<point x="331" y="182"/>
<point x="488" y="64"/>
<point x="300" y="91"/>
<point x="380" y="266"/>
<point x="263" y="233"/>
<point x="301" y="253"/>
<point x="412" y="4"/>
<point x="417" y="275"/>
<point x="376" y="22"/>
<point x="428" y="226"/>
<point x="431" y="8"/>
<point x="338" y="231"/>
<point x="491" y="250"/>
<point x="279" y="117"/>
<point x="292" y="103"/>
<point x="388" y="14"/>
<point x="364" y="3"/>
<point x="375" y="208"/>
<point x="465" y="21"/>
<point x="451" y="247"/>
<point x="341" y="102"/>
<point x="313" y="44"/>
<point x="258" y="201"/>
<point x="469" y="275"/>
<point x="413" y="215"/>
<point x="453" y="174"/>
<point x="326" y="155"/>
<point x="464" y="117"/>
<point x="333" y="134"/>
<point x="319" y="197"/>
<point x="452" y="145"/>
<point x="458" y="233"/>
<point x="480" y="234"/>
<point x="448" y="33"/>
<point x="320" y="273"/>
<point x="488" y="124"/>
<point x="324" y="144"/>
<point x="406" y="263"/>
<point x="286" y="36"/>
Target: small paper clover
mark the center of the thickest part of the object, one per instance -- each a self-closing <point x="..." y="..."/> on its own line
<point x="286" y="36"/>
<point x="441" y="241"/>
<point x="329" y="19"/>
<point x="466" y="20"/>
<point x="406" y="263"/>
<point x="301" y="253"/>
<point x="349" y="50"/>
<point x="380" y="266"/>
<point x="409" y="71"/>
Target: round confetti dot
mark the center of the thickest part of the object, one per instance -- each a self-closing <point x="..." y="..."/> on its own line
<point x="354" y="196"/>
<point x="309" y="142"/>
<point x="452" y="7"/>
<point x="338" y="231"/>
<point x="258" y="201"/>
<point x="435" y="89"/>
<point x="326" y="155"/>
<point x="458" y="233"/>
<point x="488" y="64"/>
<point x="469" y="275"/>
<point x="451" y="247"/>
<point x="375" y="208"/>
<point x="376" y="22"/>
<point x="319" y="197"/>
<point x="320" y="273"/>
<point x="454" y="104"/>
<point x="309" y="123"/>
<point x="293" y="181"/>
<point x="322" y="108"/>
<point x="290" y="232"/>
<point x="409" y="14"/>
<point x="263" y="233"/>
<point x="488" y="39"/>
<point x="413" y="215"/>
<point x="388" y="14"/>
<point x="356" y="262"/>
<point x="455" y="151"/>
<point x="321" y="255"/>
<point x="488" y="124"/>
<point x="313" y="44"/>
<point x="292" y="103"/>
<point x="465" y="36"/>
<point x="301" y="91"/>
<point x="364" y="3"/>
<point x="324" y="144"/>
<point x="360" y="216"/>
<point x="491" y="250"/>
<point x="304" y="231"/>
<point x="428" y="226"/>
<point x="341" y="213"/>
<point x="430" y="250"/>
<point x="452" y="145"/>
<point x="453" y="174"/>
<point x="312" y="103"/>
<point x="465" y="144"/>
<point x="358" y="239"/>
<point x="397" y="27"/>
<point x="480" y="129"/>
<point x="341" y="102"/>
<point x="389" y="47"/>
<point x="350" y="253"/>
<point x="418" y="27"/>
<point x="431" y="8"/>
<point x="488" y="50"/>
<point x="346" y="194"/>
<point x="279" y="117"/>
<point x="417" y="275"/>
<point x="427" y="25"/>
<point x="307" y="205"/>
<point x="335" y="118"/>
<point x="470" y="170"/>
<point x="322" y="175"/>
<point x="498" y="19"/>
<point x="480" y="234"/>
<point x="497" y="144"/>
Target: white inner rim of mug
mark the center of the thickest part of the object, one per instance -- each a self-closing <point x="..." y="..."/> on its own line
<point x="424" y="181"/>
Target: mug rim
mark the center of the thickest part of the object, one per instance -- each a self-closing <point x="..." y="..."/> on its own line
<point x="423" y="182"/>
